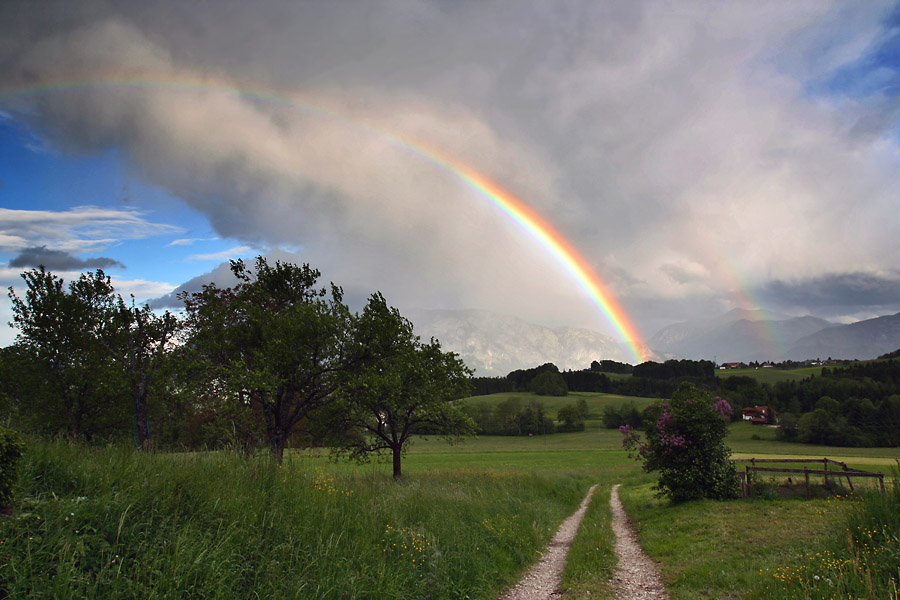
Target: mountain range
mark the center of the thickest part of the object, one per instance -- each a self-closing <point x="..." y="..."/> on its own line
<point x="495" y="344"/>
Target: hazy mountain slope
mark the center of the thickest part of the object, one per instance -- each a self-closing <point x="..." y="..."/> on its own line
<point x="495" y="344"/>
<point x="740" y="335"/>
<point x="865" y="339"/>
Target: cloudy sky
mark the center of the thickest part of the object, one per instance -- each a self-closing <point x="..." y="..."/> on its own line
<point x="700" y="156"/>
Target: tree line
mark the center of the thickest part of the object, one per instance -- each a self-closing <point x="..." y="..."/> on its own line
<point x="275" y="359"/>
<point x="857" y="404"/>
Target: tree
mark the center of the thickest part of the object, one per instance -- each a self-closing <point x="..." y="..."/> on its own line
<point x="571" y="418"/>
<point x="68" y="373"/>
<point x="685" y="442"/>
<point x="274" y="342"/>
<point x="401" y="388"/>
<point x="137" y="338"/>
<point x="549" y="383"/>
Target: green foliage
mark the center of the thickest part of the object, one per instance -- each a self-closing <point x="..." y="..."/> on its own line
<point x="627" y="413"/>
<point x="67" y="380"/>
<point x="549" y="383"/>
<point x="571" y="418"/>
<point x="611" y="366"/>
<point x="685" y="443"/>
<point x="11" y="448"/>
<point x="400" y="387"/>
<point x="513" y="416"/>
<point x="676" y="369"/>
<point x="274" y="342"/>
<point x="586" y="381"/>
<point x="521" y="378"/>
<point x="788" y="427"/>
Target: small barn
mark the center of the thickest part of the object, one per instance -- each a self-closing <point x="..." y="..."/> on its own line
<point x="759" y="415"/>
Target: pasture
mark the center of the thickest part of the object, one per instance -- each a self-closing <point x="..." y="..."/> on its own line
<point x="771" y="375"/>
<point x="465" y="522"/>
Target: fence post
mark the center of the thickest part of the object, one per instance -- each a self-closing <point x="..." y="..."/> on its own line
<point x="881" y="481"/>
<point x="747" y="479"/>
<point x="808" y="491"/>
<point x="825" y="465"/>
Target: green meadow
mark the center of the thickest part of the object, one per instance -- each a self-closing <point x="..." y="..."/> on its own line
<point x="771" y="375"/>
<point x="465" y="522"/>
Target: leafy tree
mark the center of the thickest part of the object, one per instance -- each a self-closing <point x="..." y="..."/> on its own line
<point x="68" y="374"/>
<point x="685" y="443"/>
<point x="549" y="383"/>
<point x="401" y="388"/>
<point x="626" y="414"/>
<point x="788" y="427"/>
<point x="533" y="420"/>
<point x="274" y="342"/>
<point x="571" y="418"/>
<point x="138" y="339"/>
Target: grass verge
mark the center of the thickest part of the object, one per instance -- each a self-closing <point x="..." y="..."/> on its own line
<point x="717" y="549"/>
<point x="111" y="523"/>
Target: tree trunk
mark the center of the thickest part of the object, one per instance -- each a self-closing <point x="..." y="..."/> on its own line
<point x="277" y="442"/>
<point x="397" y="473"/>
<point x="141" y="422"/>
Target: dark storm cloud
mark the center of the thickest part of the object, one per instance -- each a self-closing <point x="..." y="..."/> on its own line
<point x="58" y="260"/>
<point x="674" y="143"/>
<point x="848" y="292"/>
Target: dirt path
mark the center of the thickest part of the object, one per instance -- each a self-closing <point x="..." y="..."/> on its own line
<point x="636" y="577"/>
<point x="542" y="581"/>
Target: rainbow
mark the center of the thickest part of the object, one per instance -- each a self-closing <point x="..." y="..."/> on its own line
<point x="515" y="209"/>
<point x="743" y="296"/>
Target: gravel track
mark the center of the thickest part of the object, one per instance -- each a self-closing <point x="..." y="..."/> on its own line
<point x="542" y="581"/>
<point x="636" y="577"/>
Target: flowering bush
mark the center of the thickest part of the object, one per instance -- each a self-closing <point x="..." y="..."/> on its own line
<point x="684" y="441"/>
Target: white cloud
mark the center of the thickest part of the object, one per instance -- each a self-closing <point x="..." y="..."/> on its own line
<point x="78" y="229"/>
<point x="230" y="253"/>
<point x="190" y="241"/>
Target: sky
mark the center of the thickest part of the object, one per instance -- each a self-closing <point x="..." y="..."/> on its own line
<point x="697" y="156"/>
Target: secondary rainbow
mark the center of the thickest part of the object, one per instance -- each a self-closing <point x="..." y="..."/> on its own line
<point x="517" y="210"/>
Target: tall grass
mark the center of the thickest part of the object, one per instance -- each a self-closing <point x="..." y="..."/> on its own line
<point x="110" y="523"/>
<point x="861" y="561"/>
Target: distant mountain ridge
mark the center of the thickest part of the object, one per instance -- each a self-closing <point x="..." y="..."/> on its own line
<point x="864" y="339"/>
<point x="494" y="344"/>
<point x="737" y="336"/>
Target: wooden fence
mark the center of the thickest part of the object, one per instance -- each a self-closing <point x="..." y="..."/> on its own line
<point x="844" y="471"/>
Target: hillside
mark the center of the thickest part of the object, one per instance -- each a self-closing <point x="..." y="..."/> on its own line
<point x="737" y="336"/>
<point x="862" y="340"/>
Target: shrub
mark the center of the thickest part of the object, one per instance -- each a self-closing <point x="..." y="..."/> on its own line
<point x="571" y="418"/>
<point x="11" y="449"/>
<point x="685" y="442"/>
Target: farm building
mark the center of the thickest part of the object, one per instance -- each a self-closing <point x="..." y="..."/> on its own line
<point x="759" y="415"/>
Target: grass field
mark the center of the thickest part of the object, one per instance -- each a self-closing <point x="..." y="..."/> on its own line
<point x="596" y="402"/>
<point x="465" y="522"/>
<point x="771" y="375"/>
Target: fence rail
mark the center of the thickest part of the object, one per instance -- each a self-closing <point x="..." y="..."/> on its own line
<point x="844" y="471"/>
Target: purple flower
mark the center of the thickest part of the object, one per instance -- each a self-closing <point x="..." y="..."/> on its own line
<point x="722" y="407"/>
